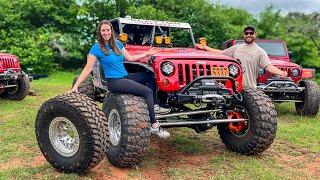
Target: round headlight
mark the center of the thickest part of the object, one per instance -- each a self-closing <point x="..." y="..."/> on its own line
<point x="167" y="68"/>
<point x="295" y="72"/>
<point x="261" y="71"/>
<point x="233" y="70"/>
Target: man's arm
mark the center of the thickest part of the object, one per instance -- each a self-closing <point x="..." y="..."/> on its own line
<point x="274" y="70"/>
<point x="209" y="49"/>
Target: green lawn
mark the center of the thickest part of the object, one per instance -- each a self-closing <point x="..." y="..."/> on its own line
<point x="295" y="154"/>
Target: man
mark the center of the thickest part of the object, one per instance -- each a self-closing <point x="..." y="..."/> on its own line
<point x="250" y="55"/>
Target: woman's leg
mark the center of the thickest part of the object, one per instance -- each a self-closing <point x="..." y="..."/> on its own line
<point x="145" y="78"/>
<point x="127" y="86"/>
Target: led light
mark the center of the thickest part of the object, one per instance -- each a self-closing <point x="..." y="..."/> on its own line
<point x="167" y="40"/>
<point x="167" y="68"/>
<point x="261" y="71"/>
<point x="123" y="37"/>
<point x="158" y="40"/>
<point x="233" y="70"/>
<point x="295" y="72"/>
<point x="203" y="40"/>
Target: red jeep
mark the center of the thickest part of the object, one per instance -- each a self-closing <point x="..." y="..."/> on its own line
<point x="14" y="83"/>
<point x="203" y="90"/>
<point x="305" y="93"/>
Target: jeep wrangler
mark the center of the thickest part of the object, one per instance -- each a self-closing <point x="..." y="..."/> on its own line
<point x="203" y="90"/>
<point x="295" y="88"/>
<point x="14" y="83"/>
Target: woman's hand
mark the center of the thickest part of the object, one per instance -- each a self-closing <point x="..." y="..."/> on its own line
<point x="152" y="51"/>
<point x="74" y="89"/>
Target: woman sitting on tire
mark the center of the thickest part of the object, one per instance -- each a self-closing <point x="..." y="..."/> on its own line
<point x="111" y="53"/>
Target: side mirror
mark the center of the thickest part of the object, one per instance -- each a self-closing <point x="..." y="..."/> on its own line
<point x="290" y="54"/>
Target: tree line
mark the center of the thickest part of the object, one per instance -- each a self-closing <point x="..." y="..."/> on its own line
<point x="50" y="35"/>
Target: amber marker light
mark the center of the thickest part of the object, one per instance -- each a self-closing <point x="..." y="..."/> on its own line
<point x="203" y="40"/>
<point x="237" y="84"/>
<point x="123" y="37"/>
<point x="165" y="82"/>
<point x="167" y="40"/>
<point x="158" y="40"/>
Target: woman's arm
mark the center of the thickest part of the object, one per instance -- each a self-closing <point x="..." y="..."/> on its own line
<point x="85" y="72"/>
<point x="130" y="57"/>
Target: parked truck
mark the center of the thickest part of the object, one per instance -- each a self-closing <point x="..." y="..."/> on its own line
<point x="298" y="87"/>
<point x="14" y="83"/>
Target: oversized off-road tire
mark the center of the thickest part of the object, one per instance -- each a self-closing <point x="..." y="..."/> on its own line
<point x="86" y="87"/>
<point x="19" y="92"/>
<point x="72" y="133"/>
<point x="255" y="135"/>
<point x="310" y="97"/>
<point x="128" y="122"/>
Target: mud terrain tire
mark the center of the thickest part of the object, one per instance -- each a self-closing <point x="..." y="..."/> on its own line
<point x="310" y="97"/>
<point x="86" y="87"/>
<point x="72" y="133"/>
<point x="261" y="128"/>
<point x="20" y="92"/>
<point x="128" y="122"/>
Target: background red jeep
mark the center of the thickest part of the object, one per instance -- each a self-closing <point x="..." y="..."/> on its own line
<point x="14" y="83"/>
<point x="305" y="93"/>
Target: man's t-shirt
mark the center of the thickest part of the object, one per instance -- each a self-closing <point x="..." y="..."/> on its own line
<point x="251" y="56"/>
<point x="112" y="64"/>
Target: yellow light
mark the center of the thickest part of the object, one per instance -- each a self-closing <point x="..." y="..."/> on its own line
<point x="167" y="40"/>
<point x="158" y="40"/>
<point x="123" y="37"/>
<point x="203" y="40"/>
<point x="237" y="84"/>
<point x="165" y="82"/>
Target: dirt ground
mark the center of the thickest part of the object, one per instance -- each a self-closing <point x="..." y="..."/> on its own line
<point x="165" y="155"/>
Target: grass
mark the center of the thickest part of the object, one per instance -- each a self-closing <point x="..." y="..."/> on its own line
<point x="185" y="155"/>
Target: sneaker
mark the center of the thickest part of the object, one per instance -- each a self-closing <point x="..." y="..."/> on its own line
<point x="161" y="133"/>
<point x="160" y="110"/>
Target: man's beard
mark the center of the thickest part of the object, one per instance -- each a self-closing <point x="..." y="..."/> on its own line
<point x="249" y="41"/>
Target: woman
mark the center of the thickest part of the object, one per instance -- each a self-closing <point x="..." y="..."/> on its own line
<point x="111" y="53"/>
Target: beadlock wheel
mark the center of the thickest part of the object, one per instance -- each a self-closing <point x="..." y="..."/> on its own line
<point x="64" y="136"/>
<point x="114" y="127"/>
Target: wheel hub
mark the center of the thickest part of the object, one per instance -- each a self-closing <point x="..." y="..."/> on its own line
<point x="114" y="127"/>
<point x="64" y="136"/>
<point x="238" y="126"/>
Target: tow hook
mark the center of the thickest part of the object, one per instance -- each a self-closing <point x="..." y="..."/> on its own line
<point x="213" y="98"/>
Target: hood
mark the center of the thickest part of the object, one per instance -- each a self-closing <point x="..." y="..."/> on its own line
<point x="280" y="63"/>
<point x="7" y="55"/>
<point x="178" y="53"/>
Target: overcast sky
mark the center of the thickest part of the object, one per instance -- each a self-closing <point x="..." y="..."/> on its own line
<point x="256" y="6"/>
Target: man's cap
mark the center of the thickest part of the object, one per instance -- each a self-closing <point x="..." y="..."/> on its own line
<point x="250" y="27"/>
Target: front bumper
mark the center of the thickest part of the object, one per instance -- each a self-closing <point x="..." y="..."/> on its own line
<point x="278" y="85"/>
<point x="9" y="75"/>
<point x="214" y="93"/>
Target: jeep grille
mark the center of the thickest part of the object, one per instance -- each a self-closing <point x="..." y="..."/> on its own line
<point x="7" y="63"/>
<point x="188" y="72"/>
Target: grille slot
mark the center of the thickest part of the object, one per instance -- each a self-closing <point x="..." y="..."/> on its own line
<point x="7" y="63"/>
<point x="188" y="72"/>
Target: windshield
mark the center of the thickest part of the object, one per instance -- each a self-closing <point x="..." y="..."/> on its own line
<point x="272" y="48"/>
